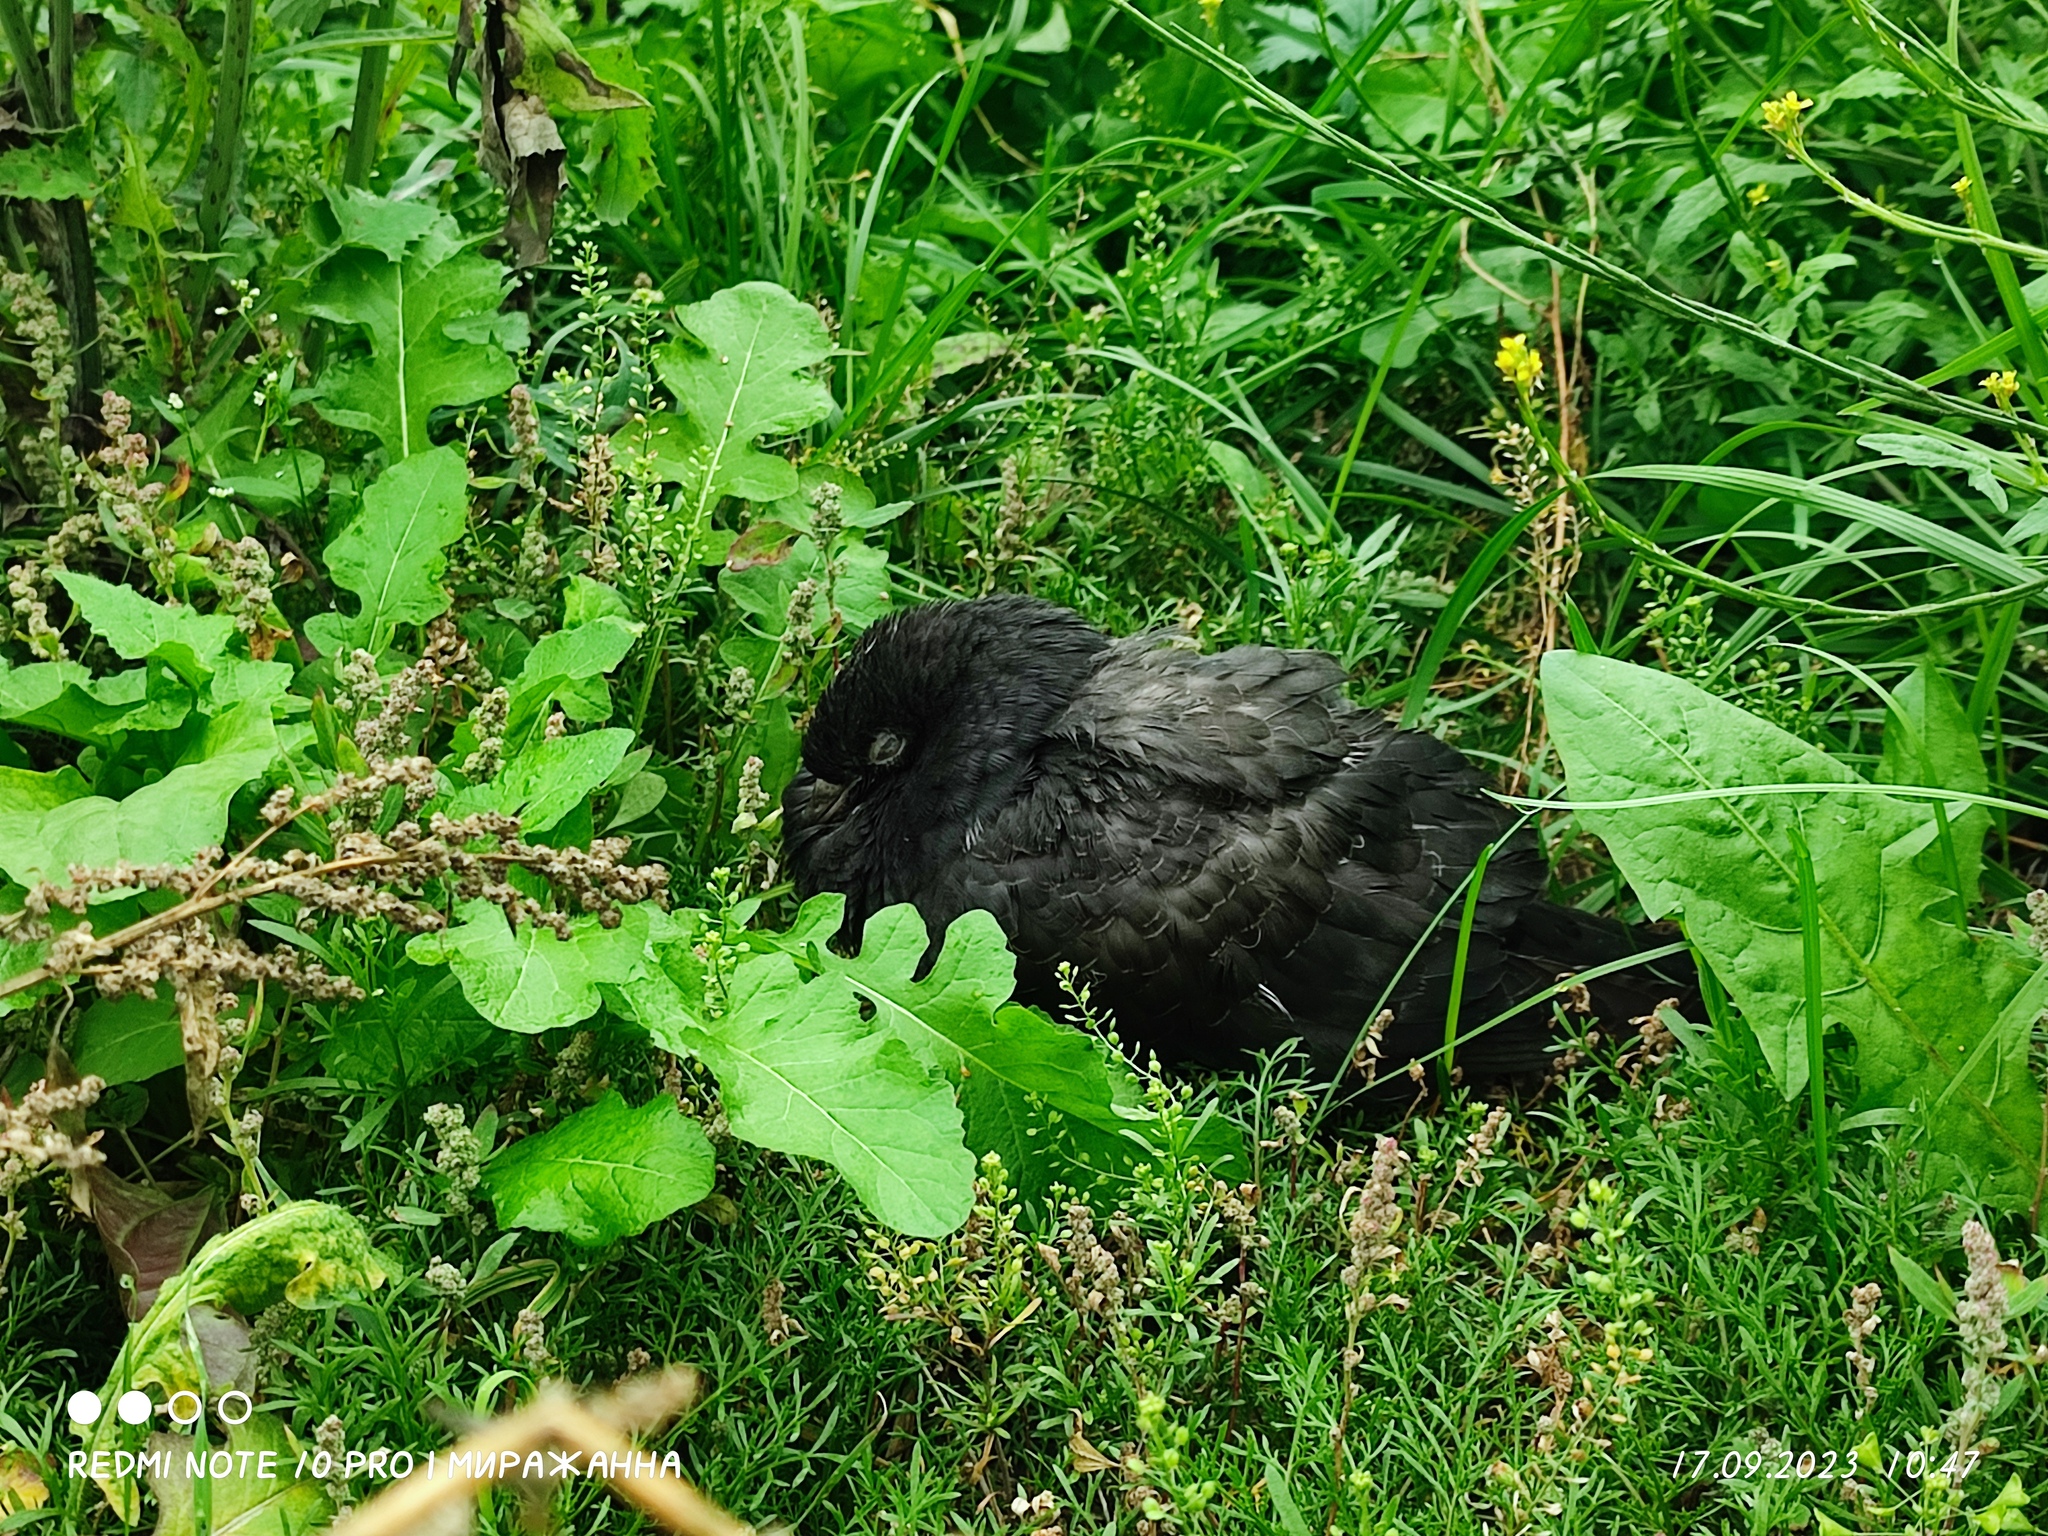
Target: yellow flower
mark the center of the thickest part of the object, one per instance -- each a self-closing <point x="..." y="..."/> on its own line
<point x="1209" y="10"/>
<point x="1517" y="362"/>
<point x="1961" y="187"/>
<point x="1758" y="195"/>
<point x="2000" y="386"/>
<point x="1782" y="116"/>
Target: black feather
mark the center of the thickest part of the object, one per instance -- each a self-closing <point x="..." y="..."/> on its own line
<point x="1234" y="854"/>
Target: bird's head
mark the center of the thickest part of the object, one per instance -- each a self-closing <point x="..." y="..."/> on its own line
<point x="925" y="730"/>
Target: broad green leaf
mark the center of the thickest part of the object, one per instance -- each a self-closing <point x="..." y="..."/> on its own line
<point x="1928" y="741"/>
<point x="800" y="1071"/>
<point x="548" y="780"/>
<point x="164" y="822"/>
<point x="744" y="375"/>
<point x="136" y="202"/>
<point x="135" y="628"/>
<point x="392" y="555"/>
<point x="860" y="592"/>
<point x="434" y="331"/>
<point x="63" y="698"/>
<point x="1941" y="1017"/>
<point x="45" y="173"/>
<point x="954" y="1021"/>
<point x="1012" y="1068"/>
<point x="23" y="791"/>
<point x="604" y="1173"/>
<point x="637" y="797"/>
<point x="128" y="1039"/>
<point x="242" y="1501"/>
<point x="584" y="600"/>
<point x="305" y="1252"/>
<point x="567" y="668"/>
<point x="238" y="680"/>
<point x="857" y="507"/>
<point x="531" y="981"/>
<point x="620" y="162"/>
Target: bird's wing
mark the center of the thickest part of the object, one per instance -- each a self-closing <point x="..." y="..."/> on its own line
<point x="1194" y="821"/>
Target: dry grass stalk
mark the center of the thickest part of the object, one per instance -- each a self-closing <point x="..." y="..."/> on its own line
<point x="556" y="1420"/>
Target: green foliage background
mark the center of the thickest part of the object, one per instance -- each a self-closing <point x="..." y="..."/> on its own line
<point x="1647" y="398"/>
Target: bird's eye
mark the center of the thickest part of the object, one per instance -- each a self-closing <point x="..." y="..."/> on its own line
<point x="884" y="749"/>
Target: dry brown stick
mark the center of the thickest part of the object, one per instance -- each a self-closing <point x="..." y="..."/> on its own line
<point x="554" y="1420"/>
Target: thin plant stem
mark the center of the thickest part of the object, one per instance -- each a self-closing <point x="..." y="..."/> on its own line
<point x="366" y="125"/>
<point x="1816" y="1067"/>
<point x="231" y="99"/>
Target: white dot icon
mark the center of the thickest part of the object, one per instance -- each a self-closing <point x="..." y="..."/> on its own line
<point x="134" y="1407"/>
<point x="84" y="1407"/>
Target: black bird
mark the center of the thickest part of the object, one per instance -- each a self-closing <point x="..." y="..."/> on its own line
<point x="1233" y="854"/>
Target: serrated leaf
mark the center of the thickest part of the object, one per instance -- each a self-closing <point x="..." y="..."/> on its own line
<point x="745" y="376"/>
<point x="953" y="1019"/>
<point x="860" y="591"/>
<point x="381" y="224"/>
<point x="799" y="1071"/>
<point x="164" y="822"/>
<point x="604" y="1173"/>
<point x="1981" y="466"/>
<point x="1009" y="1065"/>
<point x="1941" y="1017"/>
<point x="552" y="778"/>
<point x="530" y="981"/>
<point x="392" y="555"/>
<point x="410" y="310"/>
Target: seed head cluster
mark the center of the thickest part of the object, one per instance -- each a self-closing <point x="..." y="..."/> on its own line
<point x="407" y="876"/>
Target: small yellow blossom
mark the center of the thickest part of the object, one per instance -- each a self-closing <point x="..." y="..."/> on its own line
<point x="1209" y="11"/>
<point x="1758" y="195"/>
<point x="1518" y="362"/>
<point x="2000" y="386"/>
<point x="1782" y="116"/>
<point x="1961" y="187"/>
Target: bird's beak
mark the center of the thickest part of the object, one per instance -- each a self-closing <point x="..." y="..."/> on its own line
<point x="826" y="800"/>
